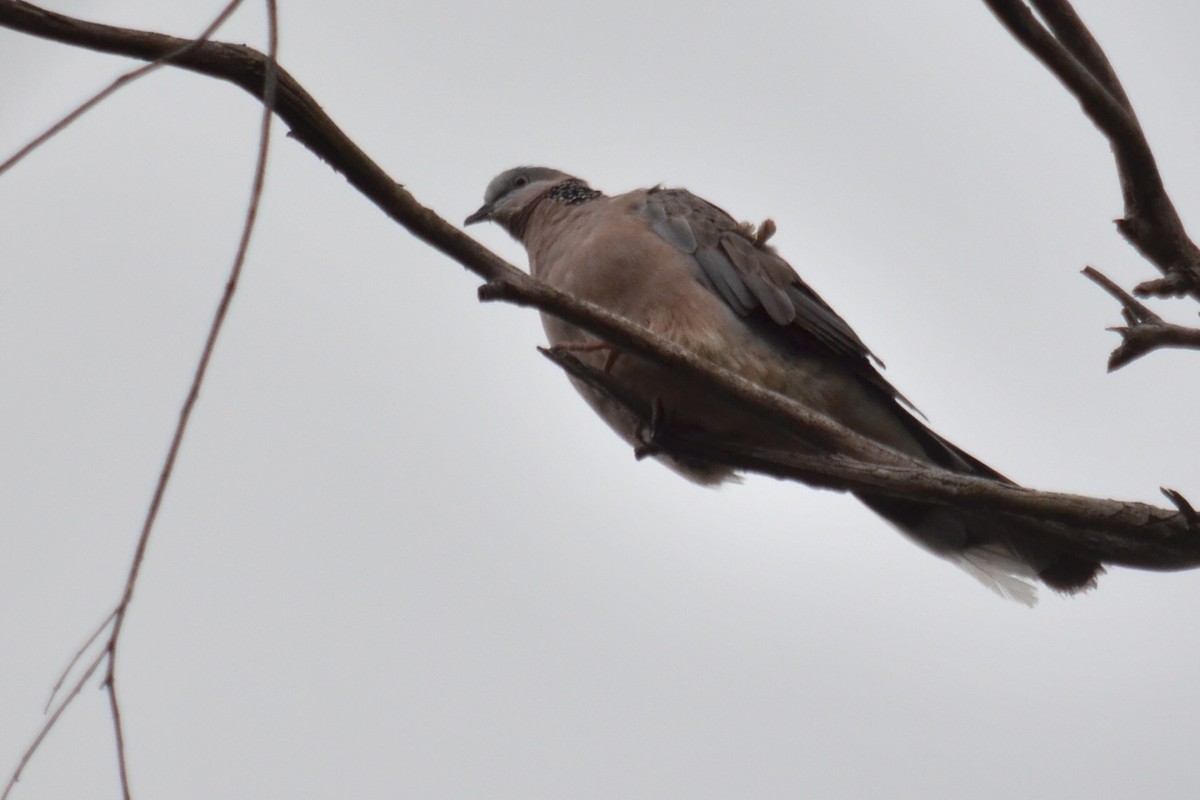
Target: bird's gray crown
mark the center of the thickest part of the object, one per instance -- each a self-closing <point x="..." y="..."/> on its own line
<point x="512" y="195"/>
<point x="518" y="178"/>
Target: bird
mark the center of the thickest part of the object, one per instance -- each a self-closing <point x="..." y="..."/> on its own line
<point x="691" y="273"/>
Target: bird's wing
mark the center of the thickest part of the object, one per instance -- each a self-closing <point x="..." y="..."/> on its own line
<point x="754" y="281"/>
<point x="762" y="288"/>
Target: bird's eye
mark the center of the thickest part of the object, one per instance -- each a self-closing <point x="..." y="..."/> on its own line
<point x="520" y="181"/>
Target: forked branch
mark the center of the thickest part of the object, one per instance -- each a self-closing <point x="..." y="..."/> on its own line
<point x="1151" y="223"/>
<point x="114" y="622"/>
<point x="1143" y="331"/>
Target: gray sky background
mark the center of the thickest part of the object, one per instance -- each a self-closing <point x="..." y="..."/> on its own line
<point x="400" y="558"/>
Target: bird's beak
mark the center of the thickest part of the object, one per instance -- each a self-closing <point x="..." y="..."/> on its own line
<point x="484" y="213"/>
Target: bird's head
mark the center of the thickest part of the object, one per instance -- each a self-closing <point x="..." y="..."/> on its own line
<point x="511" y="193"/>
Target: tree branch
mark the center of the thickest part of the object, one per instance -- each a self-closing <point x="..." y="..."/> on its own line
<point x="1144" y="330"/>
<point x="115" y="621"/>
<point x="1132" y="533"/>
<point x="1096" y="528"/>
<point x="1151" y="223"/>
<point x="245" y="67"/>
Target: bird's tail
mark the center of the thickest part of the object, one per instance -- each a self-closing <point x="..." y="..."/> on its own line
<point x="1008" y="554"/>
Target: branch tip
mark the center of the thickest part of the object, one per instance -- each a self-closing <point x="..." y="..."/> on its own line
<point x="1173" y="285"/>
<point x="1185" y="508"/>
<point x="494" y="290"/>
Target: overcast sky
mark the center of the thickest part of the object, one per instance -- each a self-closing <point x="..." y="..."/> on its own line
<point x="400" y="558"/>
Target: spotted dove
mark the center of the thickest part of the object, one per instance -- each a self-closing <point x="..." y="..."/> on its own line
<point x="689" y="272"/>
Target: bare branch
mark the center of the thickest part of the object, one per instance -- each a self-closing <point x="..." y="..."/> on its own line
<point x="1100" y="529"/>
<point x="1151" y="223"/>
<point x="1070" y="31"/>
<point x="823" y="431"/>
<point x="123" y="80"/>
<point x="1182" y="504"/>
<point x="108" y="655"/>
<point x="245" y="67"/>
<point x="1134" y="533"/>
<point x="66" y="673"/>
<point x="1144" y="330"/>
<point x="49" y="724"/>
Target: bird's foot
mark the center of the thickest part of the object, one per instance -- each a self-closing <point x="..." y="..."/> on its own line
<point x="650" y="432"/>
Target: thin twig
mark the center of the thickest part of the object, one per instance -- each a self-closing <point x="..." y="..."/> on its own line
<point x="62" y="678"/>
<point x="189" y="404"/>
<point x="1144" y="330"/>
<point x="117" y="617"/>
<point x="123" y="80"/>
<point x="307" y="122"/>
<point x="114" y="710"/>
<point x="49" y="724"/>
